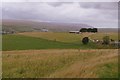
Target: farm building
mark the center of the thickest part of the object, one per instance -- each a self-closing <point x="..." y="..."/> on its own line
<point x="44" y="30"/>
<point x="76" y="32"/>
<point x="7" y="32"/>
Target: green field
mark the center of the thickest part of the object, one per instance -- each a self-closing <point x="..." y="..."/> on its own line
<point x="19" y="42"/>
<point x="26" y="41"/>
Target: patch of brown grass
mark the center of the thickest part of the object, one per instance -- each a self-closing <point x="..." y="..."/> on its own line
<point x="59" y="63"/>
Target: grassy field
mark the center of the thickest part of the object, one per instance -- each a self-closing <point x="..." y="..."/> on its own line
<point x="20" y="42"/>
<point x="61" y="37"/>
<point x="57" y="55"/>
<point x="51" y="63"/>
<point x="50" y="40"/>
<point x="67" y="37"/>
<point x="100" y="36"/>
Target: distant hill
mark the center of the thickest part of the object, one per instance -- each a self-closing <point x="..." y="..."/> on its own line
<point x="108" y="30"/>
<point x="21" y="25"/>
<point x="25" y="26"/>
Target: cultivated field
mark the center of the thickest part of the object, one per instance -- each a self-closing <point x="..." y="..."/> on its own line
<point x="101" y="63"/>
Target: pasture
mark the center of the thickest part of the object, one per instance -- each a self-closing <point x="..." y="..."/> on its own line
<point x="50" y="40"/>
<point x="69" y="37"/>
<point x="57" y="63"/>
<point x="20" y="42"/>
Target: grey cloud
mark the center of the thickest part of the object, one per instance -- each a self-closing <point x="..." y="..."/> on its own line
<point x="17" y="12"/>
<point x="100" y="5"/>
<point x="57" y="4"/>
<point x="97" y="14"/>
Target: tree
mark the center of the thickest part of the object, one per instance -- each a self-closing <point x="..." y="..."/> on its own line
<point x="94" y="30"/>
<point x="83" y="30"/>
<point x="89" y="30"/>
<point x="85" y="40"/>
<point x="106" y="40"/>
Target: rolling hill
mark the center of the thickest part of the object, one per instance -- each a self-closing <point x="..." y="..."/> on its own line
<point x="21" y="26"/>
<point x="28" y="26"/>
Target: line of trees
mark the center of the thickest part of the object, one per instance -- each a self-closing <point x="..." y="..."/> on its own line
<point x="94" y="30"/>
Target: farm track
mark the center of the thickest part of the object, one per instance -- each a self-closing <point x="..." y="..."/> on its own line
<point x="85" y="69"/>
<point x="46" y="51"/>
<point x="87" y="66"/>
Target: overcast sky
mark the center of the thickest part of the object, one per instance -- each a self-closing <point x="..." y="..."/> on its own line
<point x="98" y="14"/>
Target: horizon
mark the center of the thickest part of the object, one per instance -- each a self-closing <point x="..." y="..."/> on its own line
<point x="56" y="22"/>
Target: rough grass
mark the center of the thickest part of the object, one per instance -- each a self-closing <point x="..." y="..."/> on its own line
<point x="106" y="69"/>
<point x="60" y="63"/>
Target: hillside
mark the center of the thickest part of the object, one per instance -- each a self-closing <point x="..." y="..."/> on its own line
<point x="20" y="25"/>
<point x="108" y="29"/>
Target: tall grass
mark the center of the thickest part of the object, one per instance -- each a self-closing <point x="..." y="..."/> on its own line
<point x="105" y="70"/>
<point x="59" y="63"/>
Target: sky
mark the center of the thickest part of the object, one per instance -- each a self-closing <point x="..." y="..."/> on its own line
<point x="94" y="13"/>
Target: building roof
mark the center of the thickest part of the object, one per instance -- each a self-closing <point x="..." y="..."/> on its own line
<point x="73" y="31"/>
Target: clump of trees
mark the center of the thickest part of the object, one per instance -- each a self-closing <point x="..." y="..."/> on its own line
<point x="93" y="30"/>
<point x="85" y="40"/>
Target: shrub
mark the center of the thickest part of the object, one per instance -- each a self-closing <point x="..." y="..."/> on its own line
<point x="106" y="40"/>
<point x="85" y="40"/>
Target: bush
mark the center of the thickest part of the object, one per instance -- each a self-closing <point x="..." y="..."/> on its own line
<point x="106" y="40"/>
<point x="85" y="40"/>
